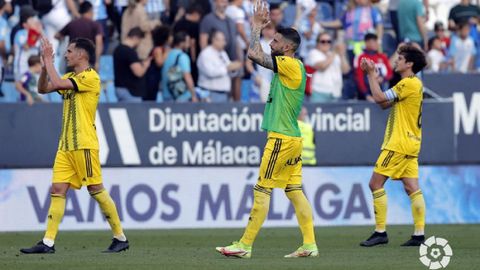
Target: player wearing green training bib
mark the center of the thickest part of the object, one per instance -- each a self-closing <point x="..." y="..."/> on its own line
<point x="281" y="165"/>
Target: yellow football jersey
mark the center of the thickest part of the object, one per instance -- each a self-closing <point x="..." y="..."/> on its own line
<point x="79" y="108"/>
<point x="403" y="133"/>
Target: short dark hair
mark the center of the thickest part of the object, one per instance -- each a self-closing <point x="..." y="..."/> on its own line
<point x="370" y="36"/>
<point x="195" y="7"/>
<point x="291" y="35"/>
<point x="414" y="55"/>
<point x="462" y="23"/>
<point x="136" y="32"/>
<point x="438" y="26"/>
<point x="212" y="34"/>
<point x="2" y="3"/>
<point x="274" y="6"/>
<point x="33" y="60"/>
<point x="431" y="40"/>
<point x="160" y="35"/>
<point x="86" y="45"/>
<point x="179" y="37"/>
<point x="85" y="7"/>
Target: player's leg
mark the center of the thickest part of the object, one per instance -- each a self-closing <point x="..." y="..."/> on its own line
<point x="89" y="165"/>
<point x="261" y="202"/>
<point x="418" y="211"/>
<point x="302" y="207"/>
<point x="379" y="236"/>
<point x="62" y="174"/>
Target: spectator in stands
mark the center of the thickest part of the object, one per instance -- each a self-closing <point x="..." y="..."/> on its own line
<point x="115" y="14"/>
<point x="329" y="64"/>
<point x="384" y="70"/>
<point x="161" y="48"/>
<point x="4" y="42"/>
<point x="215" y="68"/>
<point x="177" y="82"/>
<point x="462" y="49"/>
<point x="101" y="16"/>
<point x="136" y="16"/>
<point x="190" y="24"/>
<point x="302" y="10"/>
<point x="411" y="23"/>
<point x="359" y="19"/>
<point x="276" y="15"/>
<point x="218" y="20"/>
<point x="85" y="27"/>
<point x="392" y="10"/>
<point x="441" y="33"/>
<point x="156" y="8"/>
<point x="237" y="14"/>
<point x="27" y="86"/>
<point x="309" y="29"/>
<point x="56" y="18"/>
<point x="463" y="12"/>
<point x="129" y="69"/>
<point x="26" y="44"/>
<point x="436" y="59"/>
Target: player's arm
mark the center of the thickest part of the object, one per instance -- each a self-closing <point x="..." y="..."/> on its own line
<point x="55" y="82"/>
<point x="384" y="100"/>
<point x="260" y="20"/>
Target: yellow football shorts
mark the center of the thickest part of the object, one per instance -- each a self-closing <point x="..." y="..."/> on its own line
<point x="281" y="161"/>
<point x="396" y="165"/>
<point x="78" y="168"/>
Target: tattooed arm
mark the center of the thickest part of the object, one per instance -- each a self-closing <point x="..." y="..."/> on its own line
<point x="260" y="20"/>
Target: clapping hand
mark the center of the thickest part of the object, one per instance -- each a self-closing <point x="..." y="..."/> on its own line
<point x="368" y="66"/>
<point x="261" y="15"/>
<point x="46" y="50"/>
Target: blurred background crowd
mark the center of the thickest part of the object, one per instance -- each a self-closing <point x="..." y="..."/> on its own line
<point x="195" y="50"/>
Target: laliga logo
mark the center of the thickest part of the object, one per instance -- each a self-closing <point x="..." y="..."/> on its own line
<point x="435" y="253"/>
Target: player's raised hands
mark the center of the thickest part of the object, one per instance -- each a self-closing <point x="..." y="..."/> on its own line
<point x="46" y="50"/>
<point x="261" y="15"/>
<point x="367" y="65"/>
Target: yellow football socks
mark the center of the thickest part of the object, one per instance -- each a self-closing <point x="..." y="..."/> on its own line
<point x="380" y="209"/>
<point x="261" y="204"/>
<point x="110" y="211"/>
<point x="418" y="211"/>
<point x="55" y="215"/>
<point x="303" y="210"/>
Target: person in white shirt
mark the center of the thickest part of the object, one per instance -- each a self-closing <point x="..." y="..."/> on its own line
<point x="330" y="66"/>
<point x="436" y="59"/>
<point x="309" y="29"/>
<point x="462" y="49"/>
<point x="215" y="68"/>
<point x="237" y="14"/>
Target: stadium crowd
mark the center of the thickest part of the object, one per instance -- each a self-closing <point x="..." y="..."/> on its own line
<point x="194" y="51"/>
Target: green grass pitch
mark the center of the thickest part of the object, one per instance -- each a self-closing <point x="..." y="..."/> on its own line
<point x="195" y="249"/>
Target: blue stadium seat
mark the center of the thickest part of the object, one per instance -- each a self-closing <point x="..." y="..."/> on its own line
<point x="106" y="68"/>
<point x="107" y="77"/>
<point x="9" y="92"/>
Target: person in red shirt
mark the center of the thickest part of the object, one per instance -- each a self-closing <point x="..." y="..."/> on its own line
<point x="384" y="70"/>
